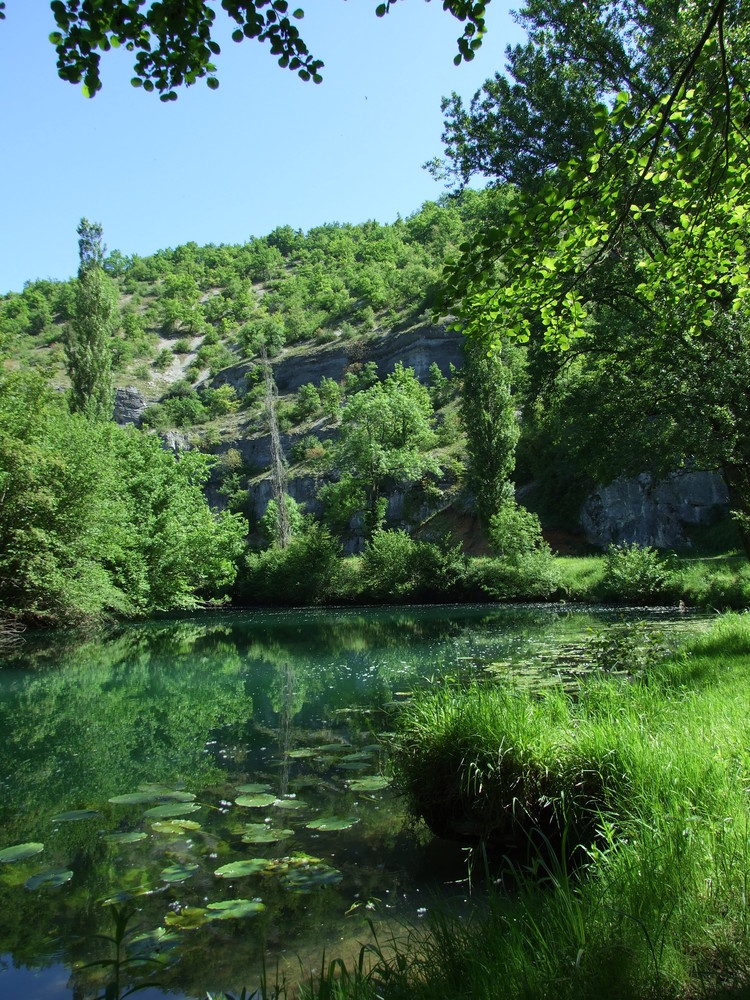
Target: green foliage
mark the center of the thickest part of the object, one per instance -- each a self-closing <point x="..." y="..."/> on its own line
<point x="514" y="532"/>
<point x="305" y="572"/>
<point x="268" y="526"/>
<point x="331" y="396"/>
<point x="489" y="417"/>
<point x="385" y="433"/>
<point x="396" y="567"/>
<point x="637" y="573"/>
<point x="89" y="341"/>
<point x="97" y="519"/>
<point x="308" y="402"/>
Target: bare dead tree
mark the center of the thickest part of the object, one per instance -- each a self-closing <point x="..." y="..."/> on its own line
<point x="278" y="465"/>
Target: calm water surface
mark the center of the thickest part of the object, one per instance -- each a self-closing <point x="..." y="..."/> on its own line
<point x="139" y="765"/>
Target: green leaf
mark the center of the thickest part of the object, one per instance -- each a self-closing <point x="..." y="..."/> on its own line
<point x="53" y="878"/>
<point x="74" y="815"/>
<point x="178" y="873"/>
<point x="20" y="852"/>
<point x="129" y="837"/>
<point x="371" y="784"/>
<point x="332" y="823"/>
<point x="172" y="809"/>
<point x="257" y="801"/>
<point x="235" y="909"/>
<point x="238" y="869"/>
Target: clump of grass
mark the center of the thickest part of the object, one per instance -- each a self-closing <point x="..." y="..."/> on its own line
<point x="658" y="905"/>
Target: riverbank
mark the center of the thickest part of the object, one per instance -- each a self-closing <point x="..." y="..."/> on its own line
<point x="631" y="798"/>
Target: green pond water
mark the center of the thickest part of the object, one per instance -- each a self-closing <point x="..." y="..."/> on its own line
<point x="223" y="775"/>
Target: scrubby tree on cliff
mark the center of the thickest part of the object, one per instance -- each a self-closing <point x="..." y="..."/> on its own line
<point x="385" y="433"/>
<point x="89" y="342"/>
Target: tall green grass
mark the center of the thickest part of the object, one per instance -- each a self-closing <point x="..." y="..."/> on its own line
<point x="649" y="778"/>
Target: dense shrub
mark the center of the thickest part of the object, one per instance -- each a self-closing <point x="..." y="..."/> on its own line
<point x="305" y="572"/>
<point x="396" y="567"/>
<point x="637" y="573"/>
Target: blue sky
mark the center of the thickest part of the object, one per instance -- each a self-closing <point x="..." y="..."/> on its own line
<point x="264" y="150"/>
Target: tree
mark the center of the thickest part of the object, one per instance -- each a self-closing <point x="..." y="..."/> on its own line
<point x="175" y="45"/>
<point x="385" y="433"/>
<point x="98" y="520"/>
<point x="648" y="228"/>
<point x="89" y="343"/>
<point x="522" y="124"/>
<point x="489" y="418"/>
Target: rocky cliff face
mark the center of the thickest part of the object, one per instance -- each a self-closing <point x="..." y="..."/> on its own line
<point x="653" y="512"/>
<point x="129" y="406"/>
<point x="417" y="348"/>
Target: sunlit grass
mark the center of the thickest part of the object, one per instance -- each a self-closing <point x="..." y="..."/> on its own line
<point x="650" y="777"/>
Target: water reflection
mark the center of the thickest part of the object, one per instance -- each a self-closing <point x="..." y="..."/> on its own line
<point x="183" y="716"/>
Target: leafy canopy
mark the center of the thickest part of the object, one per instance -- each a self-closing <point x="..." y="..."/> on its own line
<point x="665" y="189"/>
<point x="174" y="39"/>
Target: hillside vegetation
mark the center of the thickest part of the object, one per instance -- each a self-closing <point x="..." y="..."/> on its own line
<point x="328" y="341"/>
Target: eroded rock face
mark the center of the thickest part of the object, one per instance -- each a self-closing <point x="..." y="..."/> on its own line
<point x="417" y="348"/>
<point x="653" y="512"/>
<point x="129" y="406"/>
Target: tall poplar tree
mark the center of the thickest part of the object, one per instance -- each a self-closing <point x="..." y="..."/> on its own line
<point x="89" y="343"/>
<point x="492" y="431"/>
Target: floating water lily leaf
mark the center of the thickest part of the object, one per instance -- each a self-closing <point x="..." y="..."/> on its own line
<point x="361" y="755"/>
<point x="234" y="909"/>
<point x="333" y="747"/>
<point x="373" y="783"/>
<point x="52" y="879"/>
<point x="188" y="919"/>
<point x="20" y="852"/>
<point x="257" y="801"/>
<point x="332" y="823"/>
<point x="355" y="765"/>
<point x="237" y="869"/>
<point x="302" y="753"/>
<point x="307" y="879"/>
<point x="74" y="815"/>
<point x="303" y="872"/>
<point x="254" y="788"/>
<point x="151" y="794"/>
<point x="178" y="873"/>
<point x="176" y="826"/>
<point x="172" y="809"/>
<point x="153" y="943"/>
<point x="129" y="837"/>
<point x="290" y="804"/>
<point x="261" y="833"/>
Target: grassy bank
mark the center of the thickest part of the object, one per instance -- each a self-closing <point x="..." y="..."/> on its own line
<point x="649" y="775"/>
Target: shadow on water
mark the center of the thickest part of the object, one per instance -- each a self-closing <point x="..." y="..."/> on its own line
<point x="222" y="776"/>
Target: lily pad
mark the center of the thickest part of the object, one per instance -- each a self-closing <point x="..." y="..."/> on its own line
<point x="303" y="872"/>
<point x="20" y="852"/>
<point x="332" y="823"/>
<point x="237" y="869"/>
<point x="355" y="765"/>
<point x="302" y="753"/>
<point x="74" y="815"/>
<point x="174" y="826"/>
<point x="307" y="879"/>
<point x="171" y="809"/>
<point x="178" y="873"/>
<point x="52" y="879"/>
<point x="188" y="919"/>
<point x="151" y="794"/>
<point x="235" y="909"/>
<point x="257" y="801"/>
<point x="261" y="833"/>
<point x="128" y="837"/>
<point x="253" y="788"/>
<point x="372" y="783"/>
<point x="333" y="747"/>
<point x="291" y="804"/>
<point x="153" y="944"/>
